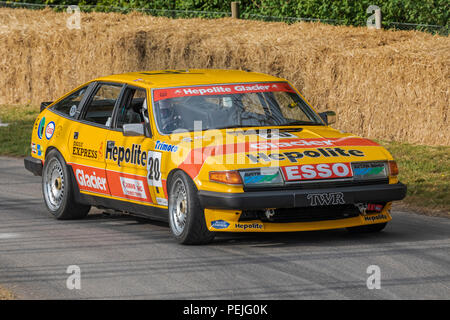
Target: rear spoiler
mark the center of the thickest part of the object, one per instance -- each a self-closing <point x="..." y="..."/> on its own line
<point x="45" y="105"/>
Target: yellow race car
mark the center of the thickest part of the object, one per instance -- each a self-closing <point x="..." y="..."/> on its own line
<point x="208" y="151"/>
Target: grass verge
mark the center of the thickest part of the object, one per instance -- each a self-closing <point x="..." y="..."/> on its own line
<point x="425" y="169"/>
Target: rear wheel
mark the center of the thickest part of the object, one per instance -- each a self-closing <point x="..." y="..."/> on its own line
<point x="57" y="189"/>
<point x="186" y="216"/>
<point x="368" y="229"/>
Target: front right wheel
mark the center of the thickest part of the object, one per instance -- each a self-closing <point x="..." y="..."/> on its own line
<point x="186" y="216"/>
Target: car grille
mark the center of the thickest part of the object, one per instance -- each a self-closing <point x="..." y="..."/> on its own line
<point x="306" y="214"/>
<point x="318" y="185"/>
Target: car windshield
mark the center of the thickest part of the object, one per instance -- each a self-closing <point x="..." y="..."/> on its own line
<point x="230" y="106"/>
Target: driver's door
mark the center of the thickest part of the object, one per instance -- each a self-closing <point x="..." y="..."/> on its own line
<point x="127" y="156"/>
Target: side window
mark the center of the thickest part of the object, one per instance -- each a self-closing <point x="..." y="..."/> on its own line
<point x="68" y="106"/>
<point x="132" y="108"/>
<point x="100" y="108"/>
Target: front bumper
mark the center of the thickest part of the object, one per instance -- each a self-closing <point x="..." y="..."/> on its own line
<point x="33" y="165"/>
<point x="303" y="197"/>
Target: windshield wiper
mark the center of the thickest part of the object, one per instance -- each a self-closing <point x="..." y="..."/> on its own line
<point x="300" y="122"/>
<point x="231" y="127"/>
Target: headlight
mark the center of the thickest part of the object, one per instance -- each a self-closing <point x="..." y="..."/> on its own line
<point x="262" y="176"/>
<point x="369" y="170"/>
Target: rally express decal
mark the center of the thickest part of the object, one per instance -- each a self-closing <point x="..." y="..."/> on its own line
<point x="79" y="150"/>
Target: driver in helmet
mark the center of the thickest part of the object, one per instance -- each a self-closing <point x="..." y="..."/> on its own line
<point x="169" y="120"/>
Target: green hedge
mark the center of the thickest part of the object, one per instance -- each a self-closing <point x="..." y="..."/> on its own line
<point x="351" y="12"/>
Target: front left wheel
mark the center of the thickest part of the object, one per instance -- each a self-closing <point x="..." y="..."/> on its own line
<point x="58" y="191"/>
<point x="186" y="216"/>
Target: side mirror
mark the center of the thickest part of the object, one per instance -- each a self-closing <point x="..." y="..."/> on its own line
<point x="329" y="117"/>
<point x="133" y="129"/>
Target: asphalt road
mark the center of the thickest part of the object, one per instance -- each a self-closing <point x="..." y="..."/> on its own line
<point x="121" y="258"/>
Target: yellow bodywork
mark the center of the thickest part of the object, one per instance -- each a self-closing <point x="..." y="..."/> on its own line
<point x="88" y="153"/>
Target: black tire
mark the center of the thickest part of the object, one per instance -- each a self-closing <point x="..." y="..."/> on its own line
<point x="186" y="216"/>
<point x="58" y="191"/>
<point x="368" y="229"/>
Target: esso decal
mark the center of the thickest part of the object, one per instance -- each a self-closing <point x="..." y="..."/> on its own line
<point x="317" y="171"/>
<point x="49" y="130"/>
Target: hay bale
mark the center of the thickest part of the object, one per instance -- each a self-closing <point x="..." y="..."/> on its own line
<point x="391" y="85"/>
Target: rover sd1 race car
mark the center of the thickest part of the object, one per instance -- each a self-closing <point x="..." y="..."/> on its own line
<point x="209" y="151"/>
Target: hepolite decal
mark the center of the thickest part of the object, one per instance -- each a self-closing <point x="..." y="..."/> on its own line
<point x="294" y="156"/>
<point x="250" y="226"/>
<point x="133" y="155"/>
<point x="375" y="217"/>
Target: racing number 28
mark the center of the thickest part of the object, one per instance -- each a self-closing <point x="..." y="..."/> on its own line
<point x="154" y="169"/>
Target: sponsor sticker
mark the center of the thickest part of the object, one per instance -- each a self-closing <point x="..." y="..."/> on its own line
<point x="249" y="226"/>
<point x="265" y="134"/>
<point x="162" y="201"/>
<point x="294" y="156"/>
<point x="41" y="128"/>
<point x="133" y="188"/>
<point x="291" y="143"/>
<point x="261" y="176"/>
<point x="161" y="94"/>
<point x="317" y="171"/>
<point x="91" y="179"/>
<point x="369" y="170"/>
<point x="79" y="150"/>
<point x="49" y="130"/>
<point x="219" y="224"/>
<point x="165" y="146"/>
<point x="325" y="199"/>
<point x="120" y="154"/>
<point x="375" y="217"/>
